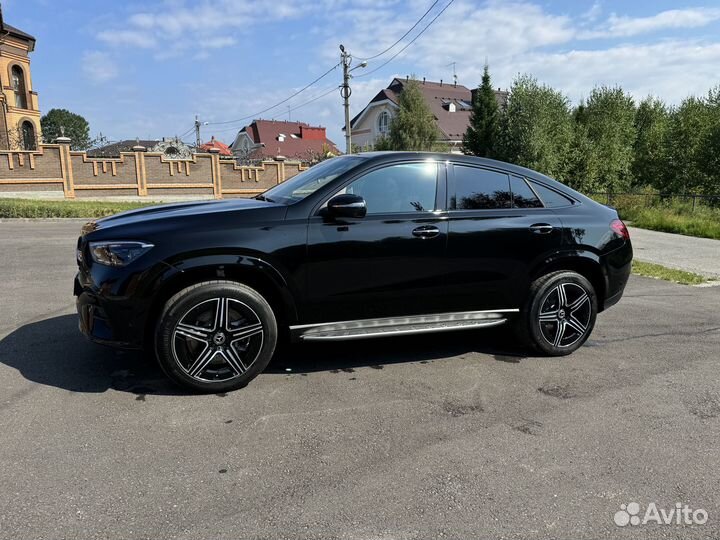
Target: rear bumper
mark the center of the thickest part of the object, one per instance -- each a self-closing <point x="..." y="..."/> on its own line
<point x="618" y="266"/>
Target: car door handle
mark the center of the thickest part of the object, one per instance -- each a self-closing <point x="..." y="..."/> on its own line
<point x="541" y="228"/>
<point x="426" y="231"/>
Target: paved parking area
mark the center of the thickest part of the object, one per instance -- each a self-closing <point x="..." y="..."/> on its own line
<point x="457" y="435"/>
<point x="699" y="255"/>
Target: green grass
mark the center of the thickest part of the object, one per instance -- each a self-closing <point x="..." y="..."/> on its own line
<point x="670" y="216"/>
<point x="668" y="274"/>
<point x="32" y="208"/>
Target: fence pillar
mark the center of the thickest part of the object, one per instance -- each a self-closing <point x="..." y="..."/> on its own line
<point x="66" y="167"/>
<point x="215" y="172"/>
<point x="140" y="169"/>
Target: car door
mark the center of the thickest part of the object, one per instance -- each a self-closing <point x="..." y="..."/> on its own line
<point x="389" y="262"/>
<point x="498" y="231"/>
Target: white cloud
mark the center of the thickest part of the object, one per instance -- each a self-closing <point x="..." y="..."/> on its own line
<point x="99" y="66"/>
<point x="131" y="38"/>
<point x="180" y="26"/>
<point x="593" y="13"/>
<point x="671" y="70"/>
<point x="622" y="26"/>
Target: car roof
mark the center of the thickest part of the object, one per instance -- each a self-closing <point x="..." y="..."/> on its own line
<point x="457" y="158"/>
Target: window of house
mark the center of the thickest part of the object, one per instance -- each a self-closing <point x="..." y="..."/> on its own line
<point x="522" y="195"/>
<point x="383" y="122"/>
<point x="478" y="189"/>
<point x="550" y="197"/>
<point x="18" y="84"/>
<point x="402" y="188"/>
<point x="28" y="136"/>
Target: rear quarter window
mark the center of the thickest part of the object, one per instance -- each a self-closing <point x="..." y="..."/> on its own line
<point x="550" y="197"/>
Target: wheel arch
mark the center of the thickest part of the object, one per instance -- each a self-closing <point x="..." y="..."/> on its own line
<point x="259" y="275"/>
<point x="586" y="264"/>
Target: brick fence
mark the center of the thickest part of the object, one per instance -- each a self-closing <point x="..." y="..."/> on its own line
<point x="56" y="168"/>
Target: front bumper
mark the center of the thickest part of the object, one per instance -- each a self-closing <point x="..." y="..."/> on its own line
<point x="103" y="322"/>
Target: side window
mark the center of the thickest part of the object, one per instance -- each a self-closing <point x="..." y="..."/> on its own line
<point x="550" y="197"/>
<point x="407" y="187"/>
<point x="479" y="189"/>
<point x="522" y="195"/>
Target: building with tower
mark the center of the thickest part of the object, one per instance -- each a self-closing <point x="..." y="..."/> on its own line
<point x="20" y="112"/>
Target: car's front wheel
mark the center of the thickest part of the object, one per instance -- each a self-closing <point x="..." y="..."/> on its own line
<point x="215" y="336"/>
<point x="560" y="313"/>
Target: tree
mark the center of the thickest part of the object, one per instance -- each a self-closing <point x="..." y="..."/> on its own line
<point x="709" y="152"/>
<point x="413" y="127"/>
<point x="480" y="137"/>
<point x="608" y="120"/>
<point x="536" y="128"/>
<point x="650" y="162"/>
<point x="59" y="121"/>
<point x="690" y="130"/>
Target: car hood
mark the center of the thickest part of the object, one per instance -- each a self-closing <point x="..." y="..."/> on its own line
<point x="182" y="214"/>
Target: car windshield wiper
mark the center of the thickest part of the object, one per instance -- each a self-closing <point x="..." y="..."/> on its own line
<point x="264" y="198"/>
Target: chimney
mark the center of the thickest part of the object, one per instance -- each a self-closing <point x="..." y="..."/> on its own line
<point x="312" y="133"/>
<point x="474" y="94"/>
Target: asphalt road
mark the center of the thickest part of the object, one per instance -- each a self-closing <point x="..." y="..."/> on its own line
<point x="457" y="435"/>
<point x="699" y="255"/>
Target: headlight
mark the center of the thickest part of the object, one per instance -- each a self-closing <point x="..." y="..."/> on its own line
<point x="117" y="253"/>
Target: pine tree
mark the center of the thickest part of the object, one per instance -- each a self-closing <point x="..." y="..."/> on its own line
<point x="482" y="133"/>
<point x="413" y="127"/>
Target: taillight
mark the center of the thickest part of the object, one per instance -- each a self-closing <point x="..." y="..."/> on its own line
<point x="619" y="228"/>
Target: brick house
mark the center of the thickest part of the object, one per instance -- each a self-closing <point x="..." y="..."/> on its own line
<point x="270" y="139"/>
<point x="451" y="105"/>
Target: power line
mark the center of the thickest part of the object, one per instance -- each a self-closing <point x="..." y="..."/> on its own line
<point x="404" y="35"/>
<point x="254" y="115"/>
<point x="186" y="132"/>
<point x="408" y="44"/>
<point x="327" y="92"/>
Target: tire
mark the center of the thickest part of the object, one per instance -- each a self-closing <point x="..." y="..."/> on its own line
<point x="559" y="314"/>
<point x="215" y="336"/>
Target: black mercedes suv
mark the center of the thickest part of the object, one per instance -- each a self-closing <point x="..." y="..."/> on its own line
<point x="357" y="246"/>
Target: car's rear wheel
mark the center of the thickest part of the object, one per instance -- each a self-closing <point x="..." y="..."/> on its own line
<point x="559" y="314"/>
<point x="215" y="336"/>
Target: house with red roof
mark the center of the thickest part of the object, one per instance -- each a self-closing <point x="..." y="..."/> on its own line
<point x="273" y="139"/>
<point x="222" y="148"/>
<point x="451" y="105"/>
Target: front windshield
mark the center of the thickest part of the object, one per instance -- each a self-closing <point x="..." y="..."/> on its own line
<point x="309" y="181"/>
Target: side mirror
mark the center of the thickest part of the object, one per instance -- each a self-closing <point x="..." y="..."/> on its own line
<point x="347" y="205"/>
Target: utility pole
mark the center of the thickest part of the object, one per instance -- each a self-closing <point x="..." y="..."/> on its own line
<point x="345" y="92"/>
<point x="198" y="142"/>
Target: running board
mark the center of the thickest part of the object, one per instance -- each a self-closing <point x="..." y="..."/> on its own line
<point x="395" y="326"/>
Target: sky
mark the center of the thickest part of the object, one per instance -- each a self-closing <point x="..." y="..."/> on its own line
<point x="145" y="69"/>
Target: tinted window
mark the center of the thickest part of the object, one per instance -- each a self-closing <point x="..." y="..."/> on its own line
<point x="550" y="197"/>
<point x="477" y="189"/>
<point x="409" y="187"/>
<point x="307" y="182"/>
<point x="523" y="196"/>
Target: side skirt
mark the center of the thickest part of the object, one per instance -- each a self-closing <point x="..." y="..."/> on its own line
<point x="394" y="326"/>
